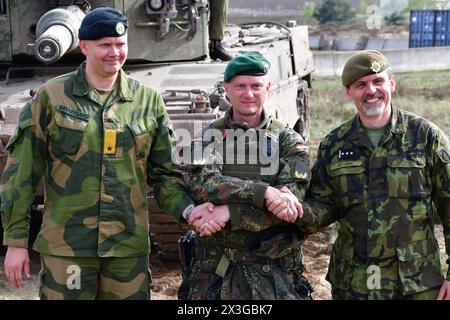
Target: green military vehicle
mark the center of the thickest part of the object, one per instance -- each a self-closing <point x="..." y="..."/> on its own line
<point x="168" y="50"/>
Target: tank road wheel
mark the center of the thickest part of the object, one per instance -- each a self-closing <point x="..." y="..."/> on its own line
<point x="302" y="124"/>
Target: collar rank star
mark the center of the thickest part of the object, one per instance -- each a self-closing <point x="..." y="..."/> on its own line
<point x="348" y="154"/>
<point x="109" y="142"/>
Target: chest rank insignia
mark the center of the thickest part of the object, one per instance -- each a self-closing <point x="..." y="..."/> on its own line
<point x="348" y="154"/>
<point x="109" y="143"/>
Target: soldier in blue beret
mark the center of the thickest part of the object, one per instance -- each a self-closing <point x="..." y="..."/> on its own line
<point x="97" y="137"/>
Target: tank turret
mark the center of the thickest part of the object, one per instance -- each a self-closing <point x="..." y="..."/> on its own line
<point x="57" y="33"/>
<point x="167" y="50"/>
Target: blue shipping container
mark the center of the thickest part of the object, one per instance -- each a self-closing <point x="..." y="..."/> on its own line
<point x="441" y="28"/>
<point x="414" y="29"/>
<point x="448" y="28"/>
<point x="429" y="28"/>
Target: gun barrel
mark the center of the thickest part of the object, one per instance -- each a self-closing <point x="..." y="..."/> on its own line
<point x="57" y="33"/>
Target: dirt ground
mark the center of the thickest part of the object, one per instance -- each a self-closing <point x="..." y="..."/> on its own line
<point x="167" y="278"/>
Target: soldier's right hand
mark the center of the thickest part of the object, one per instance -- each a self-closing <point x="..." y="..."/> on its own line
<point x="212" y="222"/>
<point x="16" y="262"/>
<point x="200" y="210"/>
<point x="283" y="204"/>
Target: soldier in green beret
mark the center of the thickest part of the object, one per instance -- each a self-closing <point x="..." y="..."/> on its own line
<point x="97" y="137"/>
<point x="254" y="156"/>
<point x="384" y="175"/>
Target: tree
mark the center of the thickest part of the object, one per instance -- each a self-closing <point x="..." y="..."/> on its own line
<point x="334" y="10"/>
<point x="308" y="9"/>
<point x="365" y="4"/>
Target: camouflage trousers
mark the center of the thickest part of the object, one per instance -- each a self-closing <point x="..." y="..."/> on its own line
<point x="244" y="281"/>
<point x="391" y="287"/>
<point x="338" y="294"/>
<point x="76" y="278"/>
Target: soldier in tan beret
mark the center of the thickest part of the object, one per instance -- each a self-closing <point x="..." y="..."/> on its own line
<point x="384" y="175"/>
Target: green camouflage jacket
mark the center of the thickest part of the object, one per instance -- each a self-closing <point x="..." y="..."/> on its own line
<point x="96" y="159"/>
<point x="243" y="190"/>
<point x="385" y="199"/>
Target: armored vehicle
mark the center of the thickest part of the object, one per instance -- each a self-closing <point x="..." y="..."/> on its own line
<point x="168" y="50"/>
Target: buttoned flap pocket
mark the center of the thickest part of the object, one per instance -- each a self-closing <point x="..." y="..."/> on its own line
<point x="347" y="178"/>
<point x="67" y="134"/>
<point x="143" y="131"/>
<point x="419" y="266"/>
<point x="407" y="177"/>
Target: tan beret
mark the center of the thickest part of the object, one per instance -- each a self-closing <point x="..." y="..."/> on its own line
<point x="362" y="64"/>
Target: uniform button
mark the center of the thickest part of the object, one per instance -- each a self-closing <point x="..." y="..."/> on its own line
<point x="266" y="268"/>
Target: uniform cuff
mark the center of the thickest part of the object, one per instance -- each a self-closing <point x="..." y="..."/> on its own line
<point x="179" y="210"/>
<point x="258" y="197"/>
<point x="19" y="243"/>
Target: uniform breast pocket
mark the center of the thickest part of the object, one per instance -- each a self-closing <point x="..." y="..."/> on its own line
<point x="348" y="182"/>
<point x="143" y="131"/>
<point x="407" y="178"/>
<point x="66" y="135"/>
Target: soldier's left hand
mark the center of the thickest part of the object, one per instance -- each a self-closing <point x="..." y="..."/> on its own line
<point x="286" y="207"/>
<point x="200" y="210"/>
<point x="212" y="222"/>
<point x="444" y="293"/>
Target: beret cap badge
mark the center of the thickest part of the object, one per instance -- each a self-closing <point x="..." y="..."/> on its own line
<point x="120" y="28"/>
<point x="376" y="67"/>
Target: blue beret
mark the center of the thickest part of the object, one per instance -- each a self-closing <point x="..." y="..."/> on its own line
<point x="103" y="22"/>
<point x="249" y="63"/>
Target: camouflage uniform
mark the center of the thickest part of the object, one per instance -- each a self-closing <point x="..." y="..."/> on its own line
<point x="385" y="199"/>
<point x="243" y="261"/>
<point x="96" y="159"/>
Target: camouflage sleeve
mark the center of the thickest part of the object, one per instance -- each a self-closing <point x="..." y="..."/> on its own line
<point x="319" y="206"/>
<point x="163" y="174"/>
<point x="293" y="173"/>
<point x="440" y="176"/>
<point x="207" y="183"/>
<point x="24" y="169"/>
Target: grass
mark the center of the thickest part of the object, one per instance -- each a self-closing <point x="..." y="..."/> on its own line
<point x="424" y="93"/>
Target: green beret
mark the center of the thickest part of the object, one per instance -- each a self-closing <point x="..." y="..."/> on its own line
<point x="249" y="63"/>
<point x="362" y="64"/>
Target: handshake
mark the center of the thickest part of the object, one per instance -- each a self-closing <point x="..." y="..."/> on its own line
<point x="208" y="218"/>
